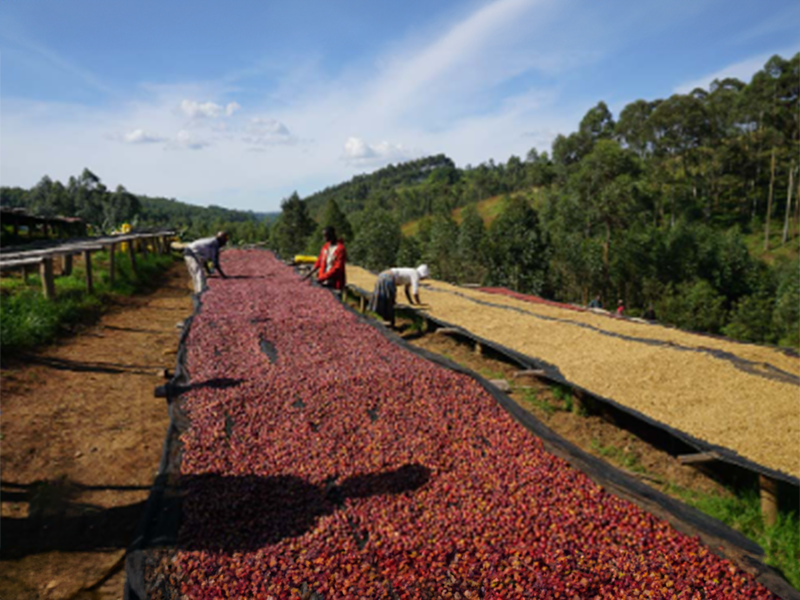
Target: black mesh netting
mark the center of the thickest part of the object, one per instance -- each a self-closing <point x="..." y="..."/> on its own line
<point x="157" y="537"/>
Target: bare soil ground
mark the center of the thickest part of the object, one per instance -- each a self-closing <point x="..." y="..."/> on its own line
<point x="82" y="435"/>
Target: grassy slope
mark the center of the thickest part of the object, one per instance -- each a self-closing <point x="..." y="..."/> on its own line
<point x="488" y="209"/>
<point x="28" y="320"/>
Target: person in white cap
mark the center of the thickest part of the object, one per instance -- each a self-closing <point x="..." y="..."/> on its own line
<point x="197" y="256"/>
<point x="384" y="295"/>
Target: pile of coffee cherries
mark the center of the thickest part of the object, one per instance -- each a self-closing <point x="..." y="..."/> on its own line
<point x="324" y="461"/>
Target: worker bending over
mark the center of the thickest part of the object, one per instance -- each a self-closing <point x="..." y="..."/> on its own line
<point x="330" y="262"/>
<point x="197" y="256"/>
<point x="384" y="296"/>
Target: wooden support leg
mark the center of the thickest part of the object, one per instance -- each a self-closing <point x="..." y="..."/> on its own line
<point x="362" y="304"/>
<point x="87" y="259"/>
<point x="66" y="264"/>
<point x="143" y="242"/>
<point x="48" y="284"/>
<point x="769" y="499"/>
<point x="112" y="263"/>
<point x="478" y="349"/>
<point x="132" y="256"/>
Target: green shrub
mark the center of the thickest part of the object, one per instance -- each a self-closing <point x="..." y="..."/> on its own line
<point x="695" y="305"/>
<point x="751" y="320"/>
<point x="28" y="320"/>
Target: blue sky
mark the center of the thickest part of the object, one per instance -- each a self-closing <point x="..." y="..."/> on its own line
<point x="239" y="103"/>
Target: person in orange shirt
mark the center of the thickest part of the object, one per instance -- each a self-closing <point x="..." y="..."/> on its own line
<point x="330" y="262"/>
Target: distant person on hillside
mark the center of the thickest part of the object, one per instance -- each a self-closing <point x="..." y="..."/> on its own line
<point x="650" y="313"/>
<point x="197" y="256"/>
<point x="620" y="308"/>
<point x="330" y="262"/>
<point x="384" y="296"/>
<point x="596" y="302"/>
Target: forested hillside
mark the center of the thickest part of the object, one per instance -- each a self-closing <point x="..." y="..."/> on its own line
<point x="87" y="197"/>
<point x="688" y="203"/>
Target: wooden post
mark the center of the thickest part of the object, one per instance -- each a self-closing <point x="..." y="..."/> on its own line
<point x="478" y="349"/>
<point x="697" y="458"/>
<point x="111" y="263"/>
<point x="87" y="259"/>
<point x="362" y="303"/>
<point x="769" y="499"/>
<point x="46" y="272"/>
<point x="132" y="255"/>
<point x="143" y="242"/>
<point x="66" y="264"/>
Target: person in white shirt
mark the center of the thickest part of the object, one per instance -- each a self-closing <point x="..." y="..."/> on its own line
<point x="384" y="296"/>
<point x="197" y="256"/>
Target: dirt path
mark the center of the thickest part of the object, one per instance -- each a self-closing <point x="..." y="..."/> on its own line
<point x="81" y="440"/>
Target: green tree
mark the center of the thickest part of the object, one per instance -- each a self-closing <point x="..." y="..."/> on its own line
<point x="377" y="239"/>
<point x="538" y="169"/>
<point x="517" y="251"/>
<point x="409" y="253"/>
<point x="786" y="314"/>
<point x="440" y="253"/>
<point x="597" y="124"/>
<point x="634" y="128"/>
<point x="605" y="184"/>
<point x="751" y="319"/>
<point x="471" y="245"/>
<point x="120" y="207"/>
<point x="293" y="228"/>
<point x="334" y="217"/>
<point x="694" y="305"/>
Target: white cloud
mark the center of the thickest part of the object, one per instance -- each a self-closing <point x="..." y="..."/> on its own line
<point x="207" y="110"/>
<point x="267" y="132"/>
<point x="140" y="136"/>
<point x="185" y="139"/>
<point x="357" y="152"/>
<point x="477" y="53"/>
<point x="743" y="71"/>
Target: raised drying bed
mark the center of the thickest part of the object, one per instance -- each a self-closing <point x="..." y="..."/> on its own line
<point x="312" y="455"/>
<point x="740" y="397"/>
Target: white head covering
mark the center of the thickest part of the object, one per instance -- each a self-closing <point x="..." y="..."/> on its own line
<point x="423" y="271"/>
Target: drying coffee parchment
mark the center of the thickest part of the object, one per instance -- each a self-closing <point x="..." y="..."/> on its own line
<point x="740" y="396"/>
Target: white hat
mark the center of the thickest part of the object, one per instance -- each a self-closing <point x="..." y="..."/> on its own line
<point x="423" y="271"/>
